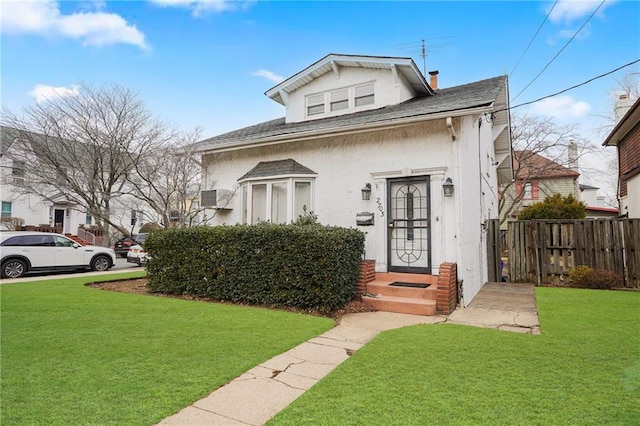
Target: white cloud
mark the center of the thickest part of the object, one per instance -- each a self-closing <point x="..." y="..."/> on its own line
<point x="43" y="93"/>
<point x="583" y="34"/>
<point x="570" y="10"/>
<point x="561" y="107"/>
<point x="202" y="7"/>
<point x="269" y="75"/>
<point x="90" y="28"/>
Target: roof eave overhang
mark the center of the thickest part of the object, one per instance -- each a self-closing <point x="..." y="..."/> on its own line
<point x="280" y="176"/>
<point x="316" y="134"/>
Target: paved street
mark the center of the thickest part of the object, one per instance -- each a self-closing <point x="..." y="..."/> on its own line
<point x="120" y="266"/>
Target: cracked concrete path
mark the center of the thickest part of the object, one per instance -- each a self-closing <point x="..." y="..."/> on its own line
<point x="503" y="306"/>
<point x="262" y="392"/>
<point x="259" y="394"/>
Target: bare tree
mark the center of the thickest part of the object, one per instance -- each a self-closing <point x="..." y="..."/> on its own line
<point x="168" y="182"/>
<point x="541" y="148"/>
<point x="82" y="149"/>
<point x="628" y="85"/>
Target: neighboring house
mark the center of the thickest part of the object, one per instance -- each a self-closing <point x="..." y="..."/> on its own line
<point x="31" y="209"/>
<point x="626" y="137"/>
<point x="595" y="204"/>
<point x="36" y="210"/>
<point x="366" y="142"/>
<point x="537" y="177"/>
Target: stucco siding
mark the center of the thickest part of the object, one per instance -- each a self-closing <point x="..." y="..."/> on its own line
<point x="344" y="164"/>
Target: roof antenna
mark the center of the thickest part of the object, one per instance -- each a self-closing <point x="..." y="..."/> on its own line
<point x="423" y="53"/>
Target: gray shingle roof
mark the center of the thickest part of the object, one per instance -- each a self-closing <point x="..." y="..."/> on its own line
<point x="277" y="168"/>
<point x="472" y="95"/>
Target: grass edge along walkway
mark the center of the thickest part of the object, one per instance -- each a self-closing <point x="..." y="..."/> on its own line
<point x="71" y="354"/>
<point x="583" y="369"/>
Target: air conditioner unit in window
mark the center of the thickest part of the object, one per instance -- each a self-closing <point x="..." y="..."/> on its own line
<point x="217" y="199"/>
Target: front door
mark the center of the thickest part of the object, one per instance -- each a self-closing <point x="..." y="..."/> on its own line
<point x="408" y="233"/>
<point x="58" y="218"/>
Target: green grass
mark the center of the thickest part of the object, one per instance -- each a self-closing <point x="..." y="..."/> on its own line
<point x="583" y="369"/>
<point x="77" y="355"/>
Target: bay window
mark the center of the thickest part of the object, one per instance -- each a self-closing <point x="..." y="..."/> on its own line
<point x="276" y="201"/>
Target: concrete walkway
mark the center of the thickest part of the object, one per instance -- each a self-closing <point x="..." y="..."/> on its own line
<point x="259" y="394"/>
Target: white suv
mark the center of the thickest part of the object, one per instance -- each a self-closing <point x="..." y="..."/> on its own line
<point x="24" y="252"/>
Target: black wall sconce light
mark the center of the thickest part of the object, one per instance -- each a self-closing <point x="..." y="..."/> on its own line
<point x="366" y="192"/>
<point x="447" y="187"/>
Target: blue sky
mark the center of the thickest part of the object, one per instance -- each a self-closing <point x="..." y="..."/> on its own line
<point x="208" y="63"/>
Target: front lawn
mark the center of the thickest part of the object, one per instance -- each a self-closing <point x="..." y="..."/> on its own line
<point x="583" y="369"/>
<point x="77" y="355"/>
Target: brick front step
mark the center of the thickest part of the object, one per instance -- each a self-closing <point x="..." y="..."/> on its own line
<point x="439" y="298"/>
<point x="406" y="300"/>
<point x="403" y="305"/>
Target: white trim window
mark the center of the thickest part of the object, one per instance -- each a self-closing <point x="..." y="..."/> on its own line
<point x="346" y="99"/>
<point x="6" y="210"/>
<point x="276" y="201"/>
<point x="17" y="171"/>
<point x="315" y="104"/>
<point x="363" y="95"/>
<point x="339" y="100"/>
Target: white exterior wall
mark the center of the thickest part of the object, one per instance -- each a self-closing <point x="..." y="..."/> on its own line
<point x="631" y="203"/>
<point x="344" y="164"/>
<point x="475" y="178"/>
<point x="387" y="91"/>
<point x="25" y="207"/>
<point x="36" y="211"/>
<point x="590" y="197"/>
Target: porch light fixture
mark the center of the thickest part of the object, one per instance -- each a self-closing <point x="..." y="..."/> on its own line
<point x="447" y="187"/>
<point x="366" y="192"/>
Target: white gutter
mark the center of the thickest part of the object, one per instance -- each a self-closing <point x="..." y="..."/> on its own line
<point x="316" y="134"/>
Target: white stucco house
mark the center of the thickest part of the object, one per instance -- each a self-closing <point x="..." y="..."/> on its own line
<point x="430" y="157"/>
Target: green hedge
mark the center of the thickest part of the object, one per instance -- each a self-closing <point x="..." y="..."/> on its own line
<point x="306" y="267"/>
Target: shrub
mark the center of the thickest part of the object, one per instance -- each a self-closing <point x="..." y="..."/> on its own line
<point x="555" y="207"/>
<point x="578" y="276"/>
<point x="306" y="267"/>
<point x="585" y="277"/>
<point x="148" y="227"/>
<point x="307" y="218"/>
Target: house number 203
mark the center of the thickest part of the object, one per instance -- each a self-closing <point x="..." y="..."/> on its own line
<point x="380" y="206"/>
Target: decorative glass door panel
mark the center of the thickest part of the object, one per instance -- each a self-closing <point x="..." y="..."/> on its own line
<point x="408" y="225"/>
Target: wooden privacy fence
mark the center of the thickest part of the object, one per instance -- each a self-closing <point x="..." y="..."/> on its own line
<point x="544" y="251"/>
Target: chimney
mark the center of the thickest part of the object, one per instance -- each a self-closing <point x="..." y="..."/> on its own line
<point x="572" y="154"/>
<point x="623" y="104"/>
<point x="434" y="79"/>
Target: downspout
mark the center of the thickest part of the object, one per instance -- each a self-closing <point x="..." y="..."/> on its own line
<point x="480" y="178"/>
<point x="457" y="226"/>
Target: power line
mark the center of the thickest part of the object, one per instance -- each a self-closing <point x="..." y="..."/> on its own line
<point x="572" y="87"/>
<point x="560" y="51"/>
<point x="534" y="37"/>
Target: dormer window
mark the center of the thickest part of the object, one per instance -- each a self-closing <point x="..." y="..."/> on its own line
<point x="364" y="95"/>
<point x="315" y="104"/>
<point x="339" y="100"/>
